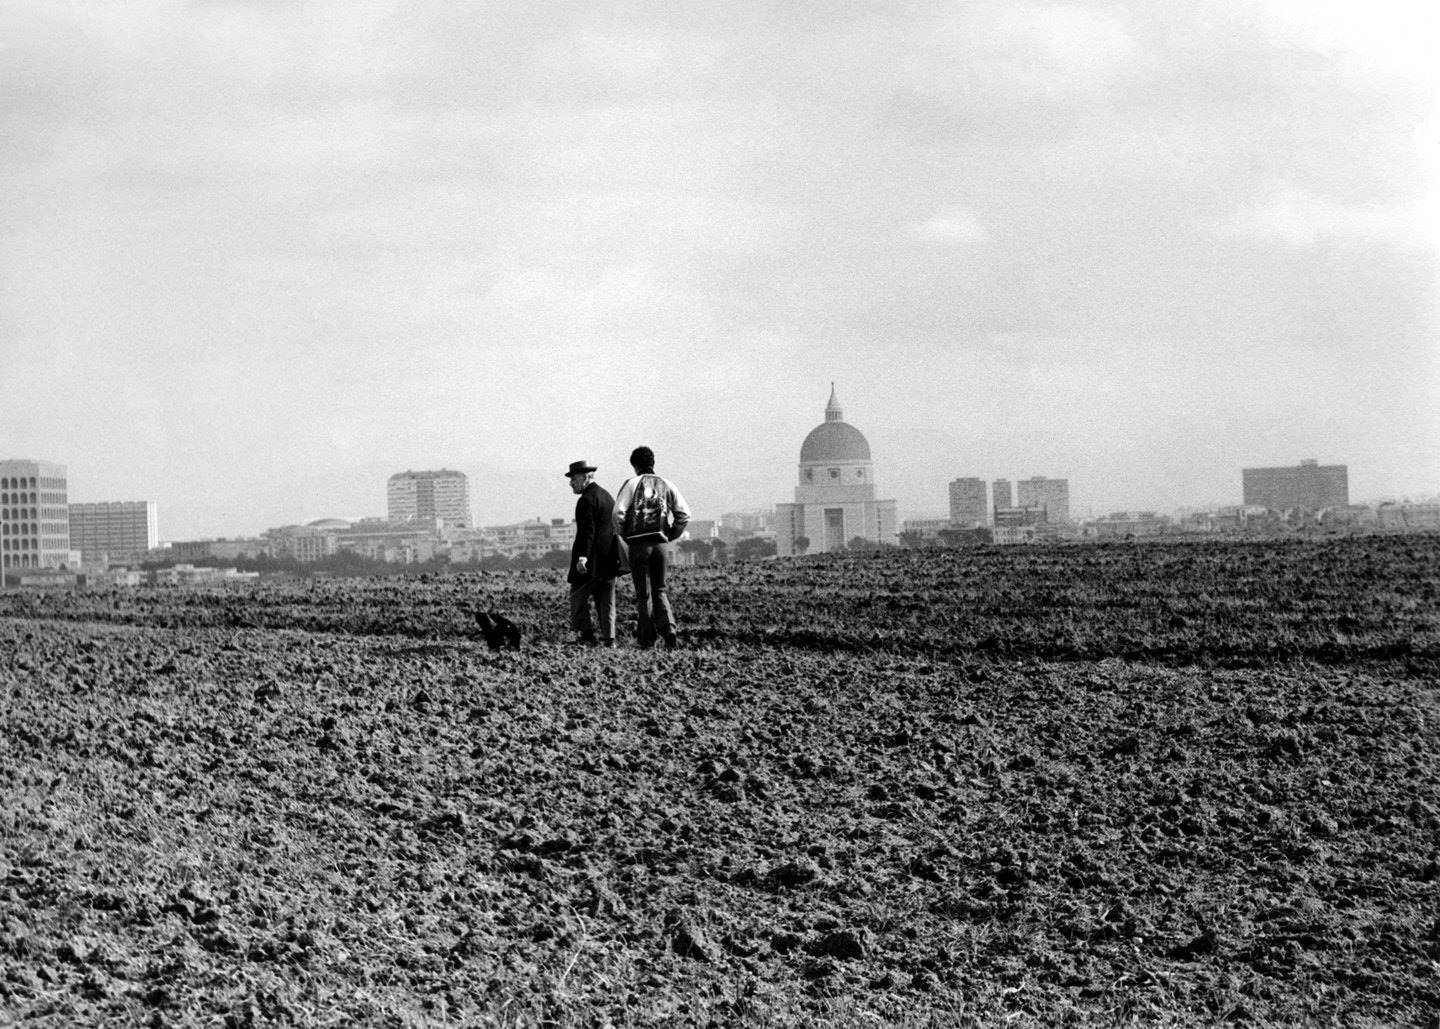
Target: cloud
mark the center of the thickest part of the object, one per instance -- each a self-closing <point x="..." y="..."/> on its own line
<point x="1301" y="219"/>
<point x="390" y="226"/>
<point x="953" y="225"/>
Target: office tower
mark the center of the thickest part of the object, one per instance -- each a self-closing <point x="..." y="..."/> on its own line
<point x="1001" y="495"/>
<point x="113" y="532"/>
<point x="34" y="515"/>
<point x="423" y="496"/>
<point x="1051" y="496"/>
<point x="968" y="509"/>
<point x="1308" y="486"/>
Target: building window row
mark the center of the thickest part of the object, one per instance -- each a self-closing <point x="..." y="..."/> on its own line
<point x="17" y="482"/>
<point x="8" y="513"/>
<point x="18" y="498"/>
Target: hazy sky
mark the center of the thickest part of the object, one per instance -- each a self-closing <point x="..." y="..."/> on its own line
<point x="256" y="256"/>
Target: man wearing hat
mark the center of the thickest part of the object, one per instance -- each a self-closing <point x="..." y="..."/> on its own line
<point x="594" y="557"/>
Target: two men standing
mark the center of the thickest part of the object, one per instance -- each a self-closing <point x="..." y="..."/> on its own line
<point x="649" y="513"/>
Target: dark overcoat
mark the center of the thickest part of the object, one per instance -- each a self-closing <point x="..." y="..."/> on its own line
<point x="595" y="537"/>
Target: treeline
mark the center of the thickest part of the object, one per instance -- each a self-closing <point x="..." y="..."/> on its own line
<point x="350" y="564"/>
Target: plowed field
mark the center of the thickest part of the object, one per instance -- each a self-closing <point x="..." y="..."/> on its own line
<point x="1167" y="784"/>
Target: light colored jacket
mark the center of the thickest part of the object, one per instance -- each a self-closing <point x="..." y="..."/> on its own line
<point x="677" y="511"/>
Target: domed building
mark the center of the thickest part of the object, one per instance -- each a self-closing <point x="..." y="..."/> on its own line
<point x="835" y="499"/>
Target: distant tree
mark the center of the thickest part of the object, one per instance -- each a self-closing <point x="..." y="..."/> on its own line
<point x="719" y="550"/>
<point x="752" y="548"/>
<point x="911" y="540"/>
<point x="802" y="544"/>
<point x="700" y="548"/>
<point x="964" y="537"/>
<point x="860" y="543"/>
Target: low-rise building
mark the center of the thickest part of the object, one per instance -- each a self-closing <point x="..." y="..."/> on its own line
<point x="534" y="538"/>
<point x="212" y="550"/>
<point x="189" y="575"/>
<point x="1408" y="516"/>
<point x="702" y="529"/>
<point x="304" y="543"/>
<point x="1007" y="535"/>
<point x="924" y="531"/>
<point x="1130" y="523"/>
<point x="1010" y="517"/>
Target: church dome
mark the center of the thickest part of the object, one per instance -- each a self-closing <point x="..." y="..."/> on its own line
<point x="834" y="440"/>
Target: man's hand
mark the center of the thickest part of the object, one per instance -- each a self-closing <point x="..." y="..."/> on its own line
<point x="580" y="563"/>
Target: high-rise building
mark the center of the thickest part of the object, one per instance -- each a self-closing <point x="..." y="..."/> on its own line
<point x="113" y="532"/>
<point x="34" y="515"/>
<point x="1052" y="496"/>
<point x="835" y="500"/>
<point x="1309" y="486"/>
<point x="423" y="496"/>
<point x="1001" y="494"/>
<point x="968" y="509"/>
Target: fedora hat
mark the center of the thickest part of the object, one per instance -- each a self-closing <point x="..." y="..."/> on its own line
<point x="579" y="468"/>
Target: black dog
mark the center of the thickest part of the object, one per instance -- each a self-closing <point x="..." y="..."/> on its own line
<point x="498" y="630"/>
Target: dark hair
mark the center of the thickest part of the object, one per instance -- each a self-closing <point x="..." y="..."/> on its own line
<point x="642" y="459"/>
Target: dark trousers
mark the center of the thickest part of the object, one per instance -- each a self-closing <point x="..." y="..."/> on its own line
<point x="603" y="592"/>
<point x="648" y="562"/>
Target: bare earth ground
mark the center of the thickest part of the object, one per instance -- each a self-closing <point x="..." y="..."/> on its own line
<point x="1166" y="784"/>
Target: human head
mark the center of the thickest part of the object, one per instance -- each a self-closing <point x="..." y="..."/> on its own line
<point x="580" y="474"/>
<point x="642" y="459"/>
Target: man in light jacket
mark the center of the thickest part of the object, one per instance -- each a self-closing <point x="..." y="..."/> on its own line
<point x="650" y="514"/>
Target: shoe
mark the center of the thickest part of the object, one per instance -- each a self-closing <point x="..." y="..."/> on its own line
<point x="608" y="641"/>
<point x="587" y="639"/>
<point x="670" y="641"/>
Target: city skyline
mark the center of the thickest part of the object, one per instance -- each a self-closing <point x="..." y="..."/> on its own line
<point x="975" y="502"/>
<point x="260" y="256"/>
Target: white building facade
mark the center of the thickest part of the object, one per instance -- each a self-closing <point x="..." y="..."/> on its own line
<point x="34" y="515"/>
<point x="417" y="496"/>
<point x="835" y="498"/>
